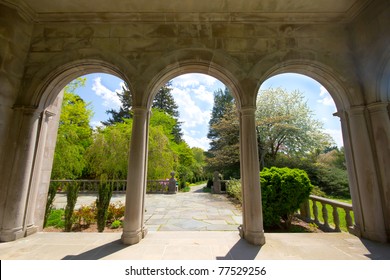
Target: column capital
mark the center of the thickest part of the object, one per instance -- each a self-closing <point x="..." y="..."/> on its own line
<point x="378" y="107"/>
<point x="27" y="110"/>
<point x="356" y="110"/>
<point x="248" y="110"/>
<point x="140" y="110"/>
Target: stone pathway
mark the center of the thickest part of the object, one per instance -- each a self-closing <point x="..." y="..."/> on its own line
<point x="191" y="211"/>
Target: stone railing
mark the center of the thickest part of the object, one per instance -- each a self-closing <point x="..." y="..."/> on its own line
<point x="91" y="186"/>
<point x="312" y="215"/>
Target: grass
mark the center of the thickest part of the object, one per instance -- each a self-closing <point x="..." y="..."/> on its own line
<point x="56" y="218"/>
<point x="343" y="223"/>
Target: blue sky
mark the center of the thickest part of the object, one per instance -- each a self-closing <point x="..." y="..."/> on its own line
<point x="193" y="94"/>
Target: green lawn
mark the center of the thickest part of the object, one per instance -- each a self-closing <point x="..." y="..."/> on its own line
<point x="343" y="224"/>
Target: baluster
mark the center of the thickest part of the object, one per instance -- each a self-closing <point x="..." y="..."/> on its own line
<point x="315" y="211"/>
<point x="348" y="219"/>
<point x="336" y="219"/>
<point x="303" y="209"/>
<point x="325" y="215"/>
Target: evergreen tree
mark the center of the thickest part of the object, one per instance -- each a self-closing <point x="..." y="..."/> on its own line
<point x="164" y="101"/>
<point x="223" y="102"/>
<point x="124" y="111"/>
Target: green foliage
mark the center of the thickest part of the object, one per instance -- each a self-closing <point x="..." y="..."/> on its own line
<point x="116" y="211"/>
<point x="161" y="158"/>
<point x="223" y="101"/>
<point x="85" y="215"/>
<point x="332" y="181"/>
<point x="234" y="189"/>
<point x="283" y="190"/>
<point x="223" y="155"/>
<point x="116" y="224"/>
<point x="124" y="111"/>
<point x="103" y="201"/>
<point x="49" y="203"/>
<point x="110" y="151"/>
<point x="56" y="218"/>
<point x="285" y="124"/>
<point x="71" y="195"/>
<point x="74" y="135"/>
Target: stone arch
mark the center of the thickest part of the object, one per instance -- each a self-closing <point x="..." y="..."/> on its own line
<point x="326" y="76"/>
<point x="45" y="85"/>
<point x="202" y="61"/>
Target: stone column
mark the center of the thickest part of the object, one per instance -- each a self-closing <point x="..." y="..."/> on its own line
<point x="133" y="227"/>
<point x="17" y="174"/>
<point x="352" y="177"/>
<point x="252" y="229"/>
<point x="30" y="226"/>
<point x="365" y="188"/>
<point x="380" y="124"/>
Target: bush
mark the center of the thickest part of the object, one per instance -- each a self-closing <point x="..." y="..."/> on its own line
<point x="85" y="216"/>
<point x="283" y="190"/>
<point x="116" y="211"/>
<point x="71" y="196"/>
<point x="332" y="180"/>
<point x="233" y="189"/>
<point x="116" y="224"/>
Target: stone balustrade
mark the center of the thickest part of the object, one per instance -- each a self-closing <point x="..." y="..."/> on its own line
<point x="323" y="221"/>
<point x="153" y="186"/>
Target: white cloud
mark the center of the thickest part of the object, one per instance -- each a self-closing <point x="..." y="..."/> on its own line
<point x="326" y="99"/>
<point x="193" y="80"/>
<point x="336" y="135"/>
<point x="190" y="113"/>
<point x="203" y="94"/>
<point x="96" y="124"/>
<point x="110" y="98"/>
<point x="202" y="143"/>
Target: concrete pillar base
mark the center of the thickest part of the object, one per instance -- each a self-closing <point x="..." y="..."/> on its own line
<point x="131" y="238"/>
<point x="11" y="234"/>
<point x="31" y="230"/>
<point x="255" y="238"/>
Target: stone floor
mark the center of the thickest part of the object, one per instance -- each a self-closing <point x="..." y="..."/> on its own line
<point x="190" y="226"/>
<point x="192" y="211"/>
<point x="193" y="245"/>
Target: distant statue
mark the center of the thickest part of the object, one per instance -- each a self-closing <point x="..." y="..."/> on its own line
<point x="216" y="183"/>
<point x="172" y="184"/>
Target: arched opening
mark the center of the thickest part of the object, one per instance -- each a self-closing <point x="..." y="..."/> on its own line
<point x="193" y="93"/>
<point x="297" y="128"/>
<point x="48" y="96"/>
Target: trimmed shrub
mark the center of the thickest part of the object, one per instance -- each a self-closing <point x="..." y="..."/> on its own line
<point x="50" y="200"/>
<point x="102" y="202"/>
<point x="71" y="196"/>
<point x="283" y="190"/>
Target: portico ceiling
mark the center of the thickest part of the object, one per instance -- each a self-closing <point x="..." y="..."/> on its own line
<point x="189" y="10"/>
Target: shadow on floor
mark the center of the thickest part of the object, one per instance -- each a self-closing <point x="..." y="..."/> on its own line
<point x="99" y="252"/>
<point x="242" y="250"/>
<point x="378" y="251"/>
